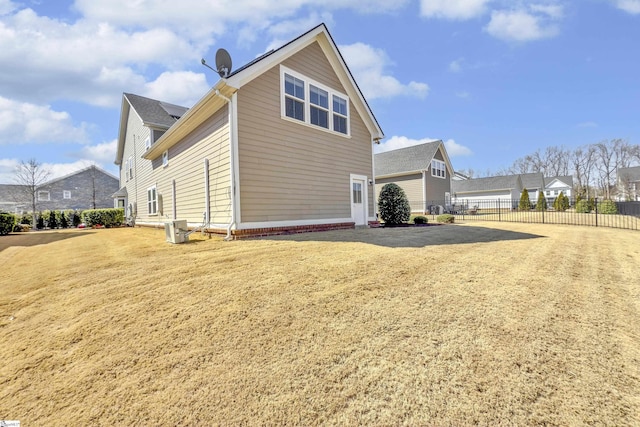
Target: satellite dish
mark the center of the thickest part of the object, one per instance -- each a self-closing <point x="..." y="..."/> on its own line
<point x="223" y="63"/>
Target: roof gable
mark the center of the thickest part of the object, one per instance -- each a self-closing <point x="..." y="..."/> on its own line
<point x="412" y="159"/>
<point x="629" y="174"/>
<point x="559" y="182"/>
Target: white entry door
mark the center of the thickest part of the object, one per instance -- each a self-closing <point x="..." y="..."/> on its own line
<point x="359" y="200"/>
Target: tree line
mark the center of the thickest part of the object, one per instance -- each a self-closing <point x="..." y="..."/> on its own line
<point x="593" y="166"/>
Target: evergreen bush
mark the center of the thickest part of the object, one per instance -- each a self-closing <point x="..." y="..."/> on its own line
<point x="608" y="207"/>
<point x="393" y="205"/>
<point x="40" y="221"/>
<point x="7" y="222"/>
<point x="420" y="220"/>
<point x="26" y="219"/>
<point x="591" y="204"/>
<point x="446" y="218"/>
<point x="525" y="203"/>
<point x="541" y="204"/>
<point x="76" y="219"/>
<point x="63" y="220"/>
<point x="113" y="217"/>
<point x="53" y="221"/>
<point x="582" y="206"/>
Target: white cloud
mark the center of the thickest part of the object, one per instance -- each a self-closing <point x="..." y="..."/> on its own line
<point x="456" y="150"/>
<point x="456" y="66"/>
<point x="8" y="170"/>
<point x="104" y="153"/>
<point x="521" y="25"/>
<point x="368" y="67"/>
<point x="183" y="88"/>
<point x="22" y="122"/>
<point x="395" y="142"/>
<point x="629" y="6"/>
<point x="453" y="9"/>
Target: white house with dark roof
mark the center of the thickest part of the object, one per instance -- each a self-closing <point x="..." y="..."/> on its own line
<point x="556" y="185"/>
<point x="423" y="171"/>
<point x="629" y="184"/>
<point x="283" y="144"/>
<point x="489" y="192"/>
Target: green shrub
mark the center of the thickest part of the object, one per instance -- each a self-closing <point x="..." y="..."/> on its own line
<point x="582" y="206"/>
<point x="113" y="217"/>
<point x="40" y="221"/>
<point x="608" y="207"/>
<point x="19" y="228"/>
<point x="76" y="218"/>
<point x="53" y="221"/>
<point x="420" y="220"/>
<point x="541" y="204"/>
<point x="7" y="221"/>
<point x="63" y="220"/>
<point x="446" y="218"/>
<point x="524" y="204"/>
<point x="26" y="219"/>
<point x="393" y="205"/>
<point x="591" y="204"/>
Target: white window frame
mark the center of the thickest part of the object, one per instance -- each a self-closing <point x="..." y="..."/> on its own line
<point x="438" y="168"/>
<point x="41" y="196"/>
<point x="130" y="168"/>
<point x="165" y="158"/>
<point x="66" y="194"/>
<point x="147" y="143"/>
<point x="308" y="82"/>
<point x="152" y="200"/>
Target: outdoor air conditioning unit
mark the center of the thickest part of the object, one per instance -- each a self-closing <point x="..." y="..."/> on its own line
<point x="176" y="231"/>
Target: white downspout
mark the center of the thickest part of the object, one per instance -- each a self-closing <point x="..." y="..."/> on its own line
<point x="207" y="201"/>
<point x="232" y="222"/>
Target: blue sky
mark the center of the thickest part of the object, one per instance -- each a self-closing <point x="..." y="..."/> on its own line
<point x="494" y="79"/>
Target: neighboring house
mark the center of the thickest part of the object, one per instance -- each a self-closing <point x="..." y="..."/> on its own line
<point x="89" y="188"/>
<point x="423" y="171"/>
<point x="556" y="185"/>
<point x="534" y="183"/>
<point x="488" y="193"/>
<point x="283" y="144"/>
<point x="459" y="176"/>
<point x="629" y="184"/>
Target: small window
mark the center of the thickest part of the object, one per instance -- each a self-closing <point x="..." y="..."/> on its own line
<point x="340" y="115"/>
<point x="319" y="108"/>
<point x="357" y="192"/>
<point x="66" y="194"/>
<point x="147" y="143"/>
<point x="152" y="201"/>
<point x="438" y="169"/>
<point x="294" y="98"/>
<point x="43" y="196"/>
<point x="130" y="168"/>
<point x="165" y="158"/>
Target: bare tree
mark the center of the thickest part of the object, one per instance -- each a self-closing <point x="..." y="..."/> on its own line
<point x="583" y="160"/>
<point x="29" y="176"/>
<point x="611" y="155"/>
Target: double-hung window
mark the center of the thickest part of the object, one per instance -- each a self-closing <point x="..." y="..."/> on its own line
<point x="312" y="103"/>
<point x="294" y="97"/>
<point x="152" y="200"/>
<point x="438" y="169"/>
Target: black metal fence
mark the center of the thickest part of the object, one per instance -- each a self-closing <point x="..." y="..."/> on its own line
<point x="594" y="212"/>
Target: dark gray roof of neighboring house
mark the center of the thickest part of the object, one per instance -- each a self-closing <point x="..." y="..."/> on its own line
<point x="486" y="184"/>
<point x="8" y="191"/>
<point x="564" y="179"/>
<point x="532" y="180"/>
<point x="409" y="159"/>
<point x="154" y="112"/>
<point x="629" y="174"/>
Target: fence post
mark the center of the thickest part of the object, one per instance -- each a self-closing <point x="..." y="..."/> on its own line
<point x="543" y="214"/>
<point x="499" y="213"/>
<point x="596" y="208"/>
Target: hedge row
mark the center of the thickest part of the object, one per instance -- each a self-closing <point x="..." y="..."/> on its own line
<point x="113" y="217"/>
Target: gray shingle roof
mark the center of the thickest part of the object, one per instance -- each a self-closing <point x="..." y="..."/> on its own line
<point x="153" y="112"/>
<point x="486" y="184"/>
<point x="629" y="174"/>
<point x="410" y="159"/>
<point x="564" y="179"/>
<point x="532" y="180"/>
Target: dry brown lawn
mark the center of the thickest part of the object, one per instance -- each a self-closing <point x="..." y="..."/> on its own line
<point x="498" y="324"/>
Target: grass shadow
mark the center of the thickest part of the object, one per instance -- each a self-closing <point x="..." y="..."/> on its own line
<point x="412" y="237"/>
<point x="34" y="238"/>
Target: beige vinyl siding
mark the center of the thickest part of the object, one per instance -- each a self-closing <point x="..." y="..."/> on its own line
<point x="412" y="186"/>
<point x="186" y="166"/>
<point x="436" y="187"/>
<point x="291" y="171"/>
<point x="135" y="136"/>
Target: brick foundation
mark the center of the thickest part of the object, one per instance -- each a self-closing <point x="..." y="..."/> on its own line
<point x="277" y="231"/>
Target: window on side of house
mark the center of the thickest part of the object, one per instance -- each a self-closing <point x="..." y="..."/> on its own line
<point x="43" y="196"/>
<point x="438" y="169"/>
<point x="310" y="102"/>
<point x="130" y="167"/>
<point x="165" y="158"/>
<point x="147" y="143"/>
<point x="66" y="194"/>
<point x="152" y="200"/>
